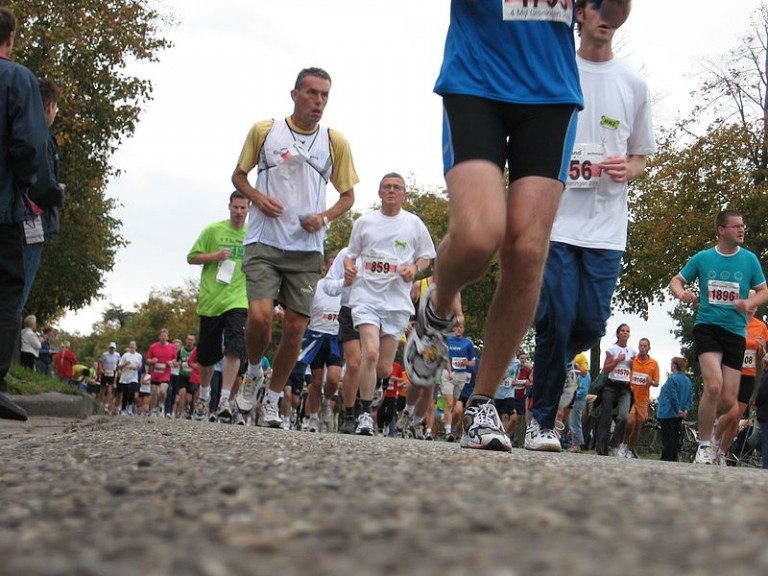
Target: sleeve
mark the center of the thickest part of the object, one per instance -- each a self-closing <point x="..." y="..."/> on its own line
<point x="355" y="241"/>
<point x="28" y="136"/>
<point x="343" y="176"/>
<point x="426" y="248"/>
<point x="641" y="140"/>
<point x="254" y="141"/>
<point x="334" y="279"/>
<point x="46" y="192"/>
<point x="758" y="277"/>
<point x="201" y="245"/>
<point x="689" y="271"/>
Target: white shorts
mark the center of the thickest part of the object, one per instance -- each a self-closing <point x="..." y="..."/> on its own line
<point x="389" y="323"/>
<point x="454" y="386"/>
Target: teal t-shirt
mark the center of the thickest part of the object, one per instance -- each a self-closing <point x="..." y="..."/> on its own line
<point x="723" y="279"/>
<point x="216" y="297"/>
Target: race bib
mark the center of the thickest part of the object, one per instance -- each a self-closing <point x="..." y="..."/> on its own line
<point x="722" y="293"/>
<point x="379" y="267"/>
<point x="557" y="11"/>
<point x="109" y="373"/>
<point x="225" y="271"/>
<point x="750" y="358"/>
<point x="621" y="373"/>
<point x="640" y="379"/>
<point x="160" y="368"/>
<point x="331" y="316"/>
<point x="458" y="363"/>
<point x="583" y="170"/>
<point x="145" y="389"/>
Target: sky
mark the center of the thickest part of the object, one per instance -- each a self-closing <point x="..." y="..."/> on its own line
<point x="234" y="62"/>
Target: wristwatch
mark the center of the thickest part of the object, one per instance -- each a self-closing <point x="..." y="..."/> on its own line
<point x="326" y="222"/>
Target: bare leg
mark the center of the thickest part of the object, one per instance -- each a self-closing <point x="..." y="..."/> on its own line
<point x="712" y="374"/>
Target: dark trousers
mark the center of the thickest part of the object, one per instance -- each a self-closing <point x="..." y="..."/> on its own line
<point x="616" y="396"/>
<point x="11" y="288"/>
<point x="671" y="432"/>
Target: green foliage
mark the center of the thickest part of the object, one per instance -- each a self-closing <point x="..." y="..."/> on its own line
<point x="85" y="47"/>
<point x="23" y="381"/>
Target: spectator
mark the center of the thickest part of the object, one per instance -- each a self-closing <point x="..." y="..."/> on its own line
<point x="675" y="400"/>
<point x="44" y="356"/>
<point x="63" y="362"/>
<point x="30" y="343"/>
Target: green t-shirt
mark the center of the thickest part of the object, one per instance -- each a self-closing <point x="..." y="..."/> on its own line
<point x="216" y="297"/>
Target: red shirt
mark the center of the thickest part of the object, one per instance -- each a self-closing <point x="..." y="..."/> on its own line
<point x="63" y="362"/>
<point x="397" y="372"/>
<point x="165" y="354"/>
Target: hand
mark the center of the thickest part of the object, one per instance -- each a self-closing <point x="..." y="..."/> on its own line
<point x="269" y="205"/>
<point x="688" y="297"/>
<point x="222" y="254"/>
<point x="350" y="273"/>
<point x="408" y="273"/>
<point x="741" y="305"/>
<point x="616" y="167"/>
<point x="312" y="223"/>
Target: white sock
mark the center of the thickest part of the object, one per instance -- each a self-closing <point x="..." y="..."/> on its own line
<point x="225" y="394"/>
<point x="255" y="370"/>
<point x="410" y="408"/>
<point x="205" y="393"/>
<point x="272" y="397"/>
<point x="448" y="428"/>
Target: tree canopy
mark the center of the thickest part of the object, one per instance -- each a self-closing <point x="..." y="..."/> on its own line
<point x="87" y="47"/>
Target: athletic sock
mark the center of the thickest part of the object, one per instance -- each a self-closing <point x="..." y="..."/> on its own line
<point x="349" y="413"/>
<point x="255" y="370"/>
<point x="272" y="397"/>
<point x="366" y="405"/>
<point x="410" y="408"/>
<point x="225" y="395"/>
<point x="448" y="428"/>
<point x="205" y="393"/>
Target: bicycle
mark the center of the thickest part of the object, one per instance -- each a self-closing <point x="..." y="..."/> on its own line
<point x="649" y="441"/>
<point x="689" y="442"/>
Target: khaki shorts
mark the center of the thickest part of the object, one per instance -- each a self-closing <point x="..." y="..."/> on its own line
<point x="453" y="386"/>
<point x="287" y="276"/>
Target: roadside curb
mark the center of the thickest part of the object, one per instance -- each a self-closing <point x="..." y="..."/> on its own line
<point x="57" y="404"/>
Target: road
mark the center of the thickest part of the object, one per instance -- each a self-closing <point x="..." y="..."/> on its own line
<point x="121" y="495"/>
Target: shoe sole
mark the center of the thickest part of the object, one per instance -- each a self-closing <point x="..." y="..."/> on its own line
<point x="494" y="445"/>
<point x="544" y="448"/>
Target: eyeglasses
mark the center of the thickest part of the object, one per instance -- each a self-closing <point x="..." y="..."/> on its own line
<point x="736" y="226"/>
<point x="395" y="187"/>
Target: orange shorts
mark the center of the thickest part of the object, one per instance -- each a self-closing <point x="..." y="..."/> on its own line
<point x="640" y="410"/>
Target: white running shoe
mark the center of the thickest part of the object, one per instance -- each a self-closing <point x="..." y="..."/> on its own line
<point x="246" y="395"/>
<point x="285" y="423"/>
<point x="483" y="429"/>
<point x="364" y="425"/>
<point x="312" y="423"/>
<point x="425" y="350"/>
<point x="224" y="411"/>
<point x="621" y="451"/>
<point x="541" y="439"/>
<point x="238" y="418"/>
<point x="706" y="455"/>
<point x="270" y="415"/>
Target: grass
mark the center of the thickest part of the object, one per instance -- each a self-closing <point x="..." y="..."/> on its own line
<point x="23" y="381"/>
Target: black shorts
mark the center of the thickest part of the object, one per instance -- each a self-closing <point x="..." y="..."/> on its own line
<point x="325" y="357"/>
<point x="746" y="387"/>
<point x="107" y="380"/>
<point x="711" y="338"/>
<point x="347" y="331"/>
<point x="220" y="334"/>
<point x="182" y="382"/>
<point x="298" y="379"/>
<point x="534" y="140"/>
<point x="401" y="402"/>
<point x="510" y="406"/>
<point x="125" y="388"/>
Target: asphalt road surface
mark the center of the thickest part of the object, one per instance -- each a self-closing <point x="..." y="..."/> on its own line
<point x="125" y="496"/>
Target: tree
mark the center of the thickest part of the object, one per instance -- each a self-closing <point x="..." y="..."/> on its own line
<point x="696" y="173"/>
<point x="85" y="47"/>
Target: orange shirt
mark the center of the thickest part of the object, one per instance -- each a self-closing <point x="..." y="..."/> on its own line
<point x="755" y="329"/>
<point x="643" y="373"/>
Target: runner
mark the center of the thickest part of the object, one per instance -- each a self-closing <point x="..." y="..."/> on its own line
<point x="395" y="247"/>
<point x="645" y="373"/>
<point x="725" y="274"/>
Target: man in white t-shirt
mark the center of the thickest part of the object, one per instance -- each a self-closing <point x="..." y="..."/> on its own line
<point x="394" y="247"/>
<point x="107" y="369"/>
<point x="128" y="385"/>
<point x="589" y="235"/>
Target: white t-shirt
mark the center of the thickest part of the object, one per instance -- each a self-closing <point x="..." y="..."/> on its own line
<point x="325" y="311"/>
<point x="109" y="361"/>
<point x="615" y="121"/>
<point x="383" y="245"/>
<point x="130" y="371"/>
<point x="622" y="371"/>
